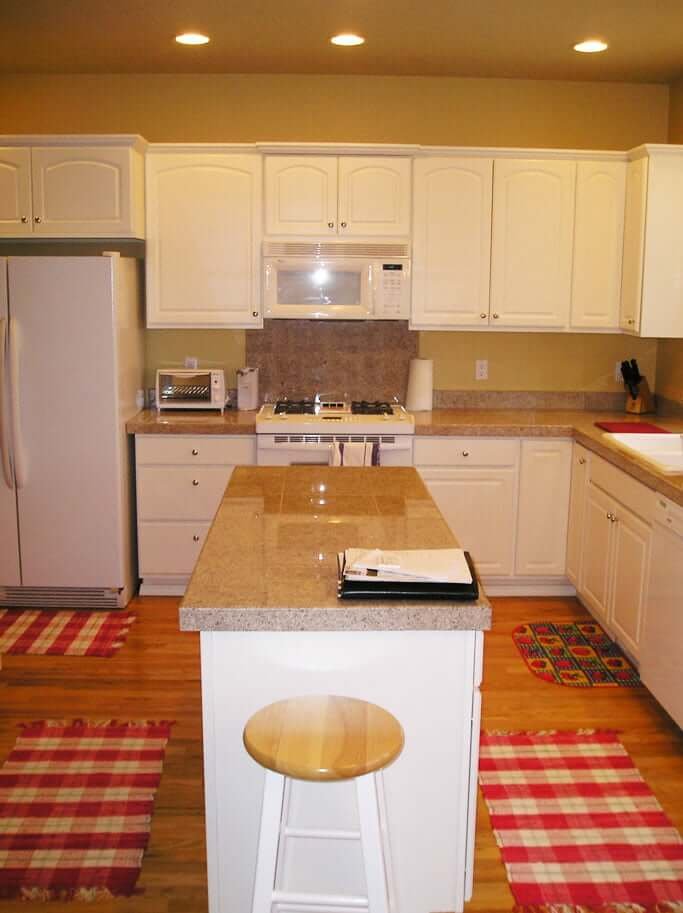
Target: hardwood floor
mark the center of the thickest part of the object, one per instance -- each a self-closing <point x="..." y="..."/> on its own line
<point x="156" y="676"/>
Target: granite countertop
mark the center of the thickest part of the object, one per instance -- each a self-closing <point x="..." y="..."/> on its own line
<point x="579" y="425"/>
<point x="280" y="572"/>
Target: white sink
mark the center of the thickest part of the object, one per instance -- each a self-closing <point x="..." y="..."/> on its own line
<point x="664" y="451"/>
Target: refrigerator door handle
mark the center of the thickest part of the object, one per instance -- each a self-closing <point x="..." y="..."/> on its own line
<point x="4" y="437"/>
<point x="14" y="348"/>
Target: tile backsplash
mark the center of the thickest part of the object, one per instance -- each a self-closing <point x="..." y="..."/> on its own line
<point x="355" y="359"/>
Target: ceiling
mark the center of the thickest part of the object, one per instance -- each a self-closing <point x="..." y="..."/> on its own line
<point x="480" y="38"/>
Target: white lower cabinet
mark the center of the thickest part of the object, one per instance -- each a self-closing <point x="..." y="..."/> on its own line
<point x="506" y="501"/>
<point x="615" y="536"/>
<point x="180" y="482"/>
<point x="577" y="505"/>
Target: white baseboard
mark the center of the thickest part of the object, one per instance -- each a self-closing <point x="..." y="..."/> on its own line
<point x="528" y="586"/>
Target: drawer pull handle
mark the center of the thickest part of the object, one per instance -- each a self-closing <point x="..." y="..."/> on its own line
<point x="195" y="482"/>
<point x="195" y="538"/>
<point x="465" y="453"/>
<point x="195" y="452"/>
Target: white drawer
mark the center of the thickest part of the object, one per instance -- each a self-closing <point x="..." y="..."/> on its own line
<point x="633" y="494"/>
<point x="180" y="492"/>
<point x="465" y="451"/>
<point x="200" y="449"/>
<point x="169" y="548"/>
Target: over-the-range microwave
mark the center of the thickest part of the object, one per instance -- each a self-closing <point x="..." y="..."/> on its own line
<point x="336" y="280"/>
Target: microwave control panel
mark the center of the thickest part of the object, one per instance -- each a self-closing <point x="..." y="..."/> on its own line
<point x="392" y="290"/>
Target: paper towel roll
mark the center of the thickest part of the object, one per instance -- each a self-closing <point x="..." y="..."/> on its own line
<point x="420" y="384"/>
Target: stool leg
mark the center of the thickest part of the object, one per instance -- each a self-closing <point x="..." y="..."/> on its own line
<point x="269" y="838"/>
<point x="374" y="848"/>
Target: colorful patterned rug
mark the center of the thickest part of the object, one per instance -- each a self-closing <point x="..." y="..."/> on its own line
<point x="76" y="805"/>
<point x="580" y="655"/>
<point x="63" y="633"/>
<point x="578" y="828"/>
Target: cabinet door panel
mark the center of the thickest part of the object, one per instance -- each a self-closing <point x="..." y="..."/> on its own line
<point x="596" y="553"/>
<point x="451" y="242"/>
<point x="10" y="574"/>
<point x="181" y="492"/>
<point x="15" y="192"/>
<point x="170" y="549"/>
<point x="531" y="260"/>
<point x="374" y="195"/>
<point x="81" y="191"/>
<point x="631" y="567"/>
<point x="301" y="194"/>
<point x="203" y="237"/>
<point x="598" y="244"/>
<point x="577" y="506"/>
<point x="543" y="508"/>
<point x="634" y="245"/>
<point x="480" y="507"/>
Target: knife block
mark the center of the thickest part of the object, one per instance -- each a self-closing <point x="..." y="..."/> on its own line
<point x="644" y="402"/>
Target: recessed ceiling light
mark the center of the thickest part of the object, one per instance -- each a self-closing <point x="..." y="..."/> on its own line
<point x="590" y="46"/>
<point x="192" y="38"/>
<point x="347" y="40"/>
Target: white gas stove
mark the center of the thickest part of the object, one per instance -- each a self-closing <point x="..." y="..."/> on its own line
<point x="304" y="431"/>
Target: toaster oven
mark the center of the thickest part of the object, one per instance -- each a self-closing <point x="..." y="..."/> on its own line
<point x="179" y="388"/>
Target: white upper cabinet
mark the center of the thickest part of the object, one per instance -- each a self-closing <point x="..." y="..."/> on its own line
<point x="203" y="239"/>
<point x="451" y="242"/>
<point x="374" y="195"/>
<point x="72" y="191"/>
<point x="531" y="258"/>
<point x="598" y="244"/>
<point x="301" y="195"/>
<point x="317" y="195"/>
<point x="15" y="192"/>
<point x="652" y="281"/>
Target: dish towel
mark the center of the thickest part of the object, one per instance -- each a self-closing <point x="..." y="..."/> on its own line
<point x="354" y="454"/>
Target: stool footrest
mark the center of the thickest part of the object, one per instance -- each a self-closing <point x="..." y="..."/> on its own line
<point x="320" y="833"/>
<point x="321" y="900"/>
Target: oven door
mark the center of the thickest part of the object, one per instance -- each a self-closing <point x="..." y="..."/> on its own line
<point x="308" y="449"/>
<point x="317" y="289"/>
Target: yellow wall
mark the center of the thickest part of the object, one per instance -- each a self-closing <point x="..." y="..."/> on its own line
<point x="391" y="109"/>
<point x="451" y="111"/>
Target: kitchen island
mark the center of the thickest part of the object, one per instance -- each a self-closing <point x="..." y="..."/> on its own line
<point x="264" y="597"/>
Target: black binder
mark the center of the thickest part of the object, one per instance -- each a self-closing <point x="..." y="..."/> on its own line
<point x="367" y="588"/>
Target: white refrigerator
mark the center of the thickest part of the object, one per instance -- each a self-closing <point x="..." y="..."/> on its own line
<point x="71" y="361"/>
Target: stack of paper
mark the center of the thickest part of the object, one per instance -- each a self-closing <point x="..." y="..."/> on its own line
<point x="443" y="573"/>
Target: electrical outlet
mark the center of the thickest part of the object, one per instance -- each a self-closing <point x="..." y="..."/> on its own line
<point x="617" y="371"/>
<point x="481" y="369"/>
<point x="192" y="362"/>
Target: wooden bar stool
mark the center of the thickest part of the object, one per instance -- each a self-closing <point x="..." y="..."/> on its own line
<point x="323" y="738"/>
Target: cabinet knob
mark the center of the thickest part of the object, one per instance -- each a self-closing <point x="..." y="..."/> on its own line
<point x="343" y="224"/>
<point x="195" y="482"/>
<point x="465" y="453"/>
<point x="24" y="219"/>
<point x="330" y="224"/>
<point x="254" y="313"/>
<point x="37" y="219"/>
<point x="582" y="461"/>
<point x="195" y="452"/>
<point x="195" y="538"/>
<point x="630" y="321"/>
<point x="611" y="517"/>
<point x="496" y="316"/>
<point x="483" y="316"/>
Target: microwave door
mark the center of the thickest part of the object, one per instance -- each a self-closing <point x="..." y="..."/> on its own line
<point x="319" y="290"/>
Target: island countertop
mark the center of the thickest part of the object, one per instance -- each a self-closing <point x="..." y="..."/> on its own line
<point x="269" y="562"/>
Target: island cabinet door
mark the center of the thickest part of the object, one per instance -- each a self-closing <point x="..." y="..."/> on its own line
<point x="480" y="506"/>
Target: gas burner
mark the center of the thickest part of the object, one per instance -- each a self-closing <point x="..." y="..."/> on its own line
<point x="295" y="407"/>
<point x="375" y="408"/>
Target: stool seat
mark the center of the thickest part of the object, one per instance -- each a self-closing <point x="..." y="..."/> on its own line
<point x="323" y="737"/>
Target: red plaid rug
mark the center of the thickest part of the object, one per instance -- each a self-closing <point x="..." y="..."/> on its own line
<point x="579" y="829"/>
<point x="63" y="633"/>
<point x="76" y="804"/>
<point x="580" y="655"/>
